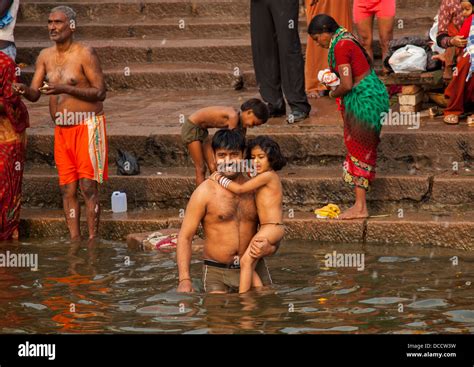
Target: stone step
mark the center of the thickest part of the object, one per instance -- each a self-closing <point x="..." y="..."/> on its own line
<point x="193" y="27"/>
<point x="124" y="52"/>
<point x="147" y="123"/>
<point x="166" y="76"/>
<point x="304" y="189"/>
<point x="402" y="150"/>
<point x="175" y="76"/>
<point x="124" y="10"/>
<point x="420" y="229"/>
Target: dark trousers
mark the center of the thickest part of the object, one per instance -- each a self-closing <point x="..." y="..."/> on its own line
<point x="277" y="56"/>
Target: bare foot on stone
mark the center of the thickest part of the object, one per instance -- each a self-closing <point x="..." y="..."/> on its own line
<point x="354" y="213"/>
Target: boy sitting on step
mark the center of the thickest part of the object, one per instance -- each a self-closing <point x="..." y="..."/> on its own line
<point x="194" y="132"/>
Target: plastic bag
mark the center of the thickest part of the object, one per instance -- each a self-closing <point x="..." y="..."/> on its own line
<point x="408" y="59"/>
<point x="127" y="164"/>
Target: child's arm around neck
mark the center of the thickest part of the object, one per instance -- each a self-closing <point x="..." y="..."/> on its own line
<point x="253" y="184"/>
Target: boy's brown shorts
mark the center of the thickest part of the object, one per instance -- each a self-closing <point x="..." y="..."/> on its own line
<point x="218" y="277"/>
<point x="191" y="132"/>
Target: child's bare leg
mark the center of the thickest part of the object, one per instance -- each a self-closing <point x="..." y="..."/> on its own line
<point x="209" y="156"/>
<point x="248" y="275"/>
<point x="256" y="281"/>
<point x="196" y="151"/>
<point x="247" y="267"/>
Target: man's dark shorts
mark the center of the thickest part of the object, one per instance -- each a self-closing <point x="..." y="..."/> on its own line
<point x="219" y="279"/>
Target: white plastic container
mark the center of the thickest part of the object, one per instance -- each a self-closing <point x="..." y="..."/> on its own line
<point x="119" y="202"/>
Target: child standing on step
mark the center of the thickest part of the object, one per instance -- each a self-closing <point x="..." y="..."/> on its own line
<point x="266" y="160"/>
<point x="195" y="130"/>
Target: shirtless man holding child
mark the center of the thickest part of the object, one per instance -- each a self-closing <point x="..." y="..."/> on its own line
<point x="229" y="221"/>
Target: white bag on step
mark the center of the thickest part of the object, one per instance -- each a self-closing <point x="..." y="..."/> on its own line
<point x="408" y="59"/>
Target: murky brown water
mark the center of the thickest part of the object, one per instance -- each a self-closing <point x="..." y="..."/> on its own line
<point x="109" y="289"/>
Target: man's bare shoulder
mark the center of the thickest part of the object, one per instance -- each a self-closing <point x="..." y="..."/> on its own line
<point x="46" y="53"/>
<point x="85" y="51"/>
<point x="205" y="190"/>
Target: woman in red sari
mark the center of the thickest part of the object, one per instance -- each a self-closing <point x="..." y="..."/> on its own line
<point x="364" y="102"/>
<point x="13" y="123"/>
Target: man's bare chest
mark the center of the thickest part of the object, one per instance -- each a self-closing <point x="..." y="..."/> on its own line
<point x="69" y="73"/>
<point x="227" y="208"/>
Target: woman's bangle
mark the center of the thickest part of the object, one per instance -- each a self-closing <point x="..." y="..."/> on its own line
<point x="331" y="94"/>
<point x="182" y="280"/>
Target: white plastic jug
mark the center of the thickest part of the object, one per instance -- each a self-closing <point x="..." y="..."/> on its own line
<point x="119" y="202"/>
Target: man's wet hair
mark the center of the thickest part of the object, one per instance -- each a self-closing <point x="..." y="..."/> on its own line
<point x="229" y="140"/>
<point x="258" y="107"/>
<point x="271" y="148"/>
<point x="67" y="11"/>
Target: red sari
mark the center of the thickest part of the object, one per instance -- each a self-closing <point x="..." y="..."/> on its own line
<point x="363" y="109"/>
<point x="460" y="92"/>
<point x="13" y="123"/>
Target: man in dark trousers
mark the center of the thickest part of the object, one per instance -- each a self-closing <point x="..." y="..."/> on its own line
<point x="277" y="57"/>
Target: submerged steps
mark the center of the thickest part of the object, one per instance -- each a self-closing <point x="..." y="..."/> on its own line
<point x="419" y="229"/>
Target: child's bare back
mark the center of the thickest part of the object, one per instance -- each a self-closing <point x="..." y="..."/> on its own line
<point x="215" y="117"/>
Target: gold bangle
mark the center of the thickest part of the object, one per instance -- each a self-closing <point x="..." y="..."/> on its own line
<point x="182" y="280"/>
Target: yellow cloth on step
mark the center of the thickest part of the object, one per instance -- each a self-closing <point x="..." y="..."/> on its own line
<point x="330" y="211"/>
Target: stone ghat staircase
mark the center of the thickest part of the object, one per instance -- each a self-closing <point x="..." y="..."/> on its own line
<point x="174" y="44"/>
<point x="425" y="185"/>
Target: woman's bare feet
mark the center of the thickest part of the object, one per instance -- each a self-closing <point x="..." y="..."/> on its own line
<point x="355" y="212"/>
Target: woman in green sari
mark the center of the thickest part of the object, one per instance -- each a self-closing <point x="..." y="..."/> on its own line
<point x="364" y="102"/>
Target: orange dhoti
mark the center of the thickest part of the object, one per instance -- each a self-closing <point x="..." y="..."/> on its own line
<point x="81" y="151"/>
<point x="317" y="57"/>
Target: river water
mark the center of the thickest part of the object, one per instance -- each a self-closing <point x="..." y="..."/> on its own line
<point x="107" y="288"/>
